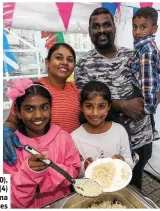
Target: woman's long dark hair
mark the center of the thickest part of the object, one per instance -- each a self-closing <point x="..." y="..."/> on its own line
<point x="89" y="91"/>
<point x="34" y="90"/>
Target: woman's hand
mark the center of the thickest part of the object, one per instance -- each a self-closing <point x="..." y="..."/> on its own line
<point x="10" y="142"/>
<point x="35" y="164"/>
<point x="118" y="157"/>
<point x="87" y="162"/>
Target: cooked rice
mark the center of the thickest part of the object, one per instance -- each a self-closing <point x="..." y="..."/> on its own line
<point x="104" y="174"/>
<point x="88" y="187"/>
<point x="107" y="204"/>
<point x="125" y="174"/>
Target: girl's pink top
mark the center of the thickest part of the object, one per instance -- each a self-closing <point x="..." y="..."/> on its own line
<point x="31" y="189"/>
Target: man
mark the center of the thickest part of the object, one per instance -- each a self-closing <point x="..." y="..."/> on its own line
<point x="108" y="63"/>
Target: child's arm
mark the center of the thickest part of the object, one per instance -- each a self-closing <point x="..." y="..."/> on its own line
<point x="84" y="165"/>
<point x="82" y="169"/>
<point x="149" y="80"/>
<point x="125" y="148"/>
<point x="70" y="162"/>
<point x="24" y="183"/>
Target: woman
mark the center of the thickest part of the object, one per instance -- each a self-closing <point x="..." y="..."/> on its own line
<point x="60" y="64"/>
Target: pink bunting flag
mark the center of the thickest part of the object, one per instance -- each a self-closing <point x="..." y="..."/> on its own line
<point x="118" y="5"/>
<point x="118" y="8"/>
<point x="8" y="8"/>
<point x="146" y="4"/>
<point x="65" y="10"/>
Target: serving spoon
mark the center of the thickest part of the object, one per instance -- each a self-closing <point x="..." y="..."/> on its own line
<point x="81" y="186"/>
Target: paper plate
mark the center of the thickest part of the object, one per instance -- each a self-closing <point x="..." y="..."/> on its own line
<point x="122" y="176"/>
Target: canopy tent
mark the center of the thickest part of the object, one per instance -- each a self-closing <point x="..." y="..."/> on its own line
<point x="60" y="17"/>
<point x="73" y="17"/>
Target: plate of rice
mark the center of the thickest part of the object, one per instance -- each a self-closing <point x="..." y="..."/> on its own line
<point x="111" y="174"/>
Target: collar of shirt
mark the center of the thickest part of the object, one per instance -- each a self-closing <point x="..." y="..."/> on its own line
<point x="97" y="54"/>
<point x="144" y="41"/>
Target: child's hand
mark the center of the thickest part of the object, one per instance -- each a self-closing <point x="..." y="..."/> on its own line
<point x="118" y="157"/>
<point x="35" y="164"/>
<point x="87" y="162"/>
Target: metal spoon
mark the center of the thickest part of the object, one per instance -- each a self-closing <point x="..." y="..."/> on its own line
<point x="81" y="186"/>
<point x="116" y="201"/>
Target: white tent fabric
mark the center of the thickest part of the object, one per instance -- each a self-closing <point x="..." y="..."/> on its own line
<point x="44" y="16"/>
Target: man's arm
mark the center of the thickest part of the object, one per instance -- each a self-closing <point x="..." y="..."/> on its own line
<point x="133" y="108"/>
<point x="80" y="75"/>
<point x="149" y="81"/>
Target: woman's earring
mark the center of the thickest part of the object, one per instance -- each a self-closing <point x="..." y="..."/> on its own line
<point x="19" y="117"/>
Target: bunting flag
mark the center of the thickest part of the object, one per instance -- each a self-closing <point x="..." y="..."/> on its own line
<point x="135" y="9"/>
<point x="8" y="8"/>
<point x="61" y="16"/>
<point x="146" y="4"/>
<point x="65" y="10"/>
<point x="112" y="6"/>
<point x="119" y="7"/>
<point x="9" y="61"/>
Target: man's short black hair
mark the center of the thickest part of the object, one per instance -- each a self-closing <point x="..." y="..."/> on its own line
<point x="147" y="12"/>
<point x="99" y="11"/>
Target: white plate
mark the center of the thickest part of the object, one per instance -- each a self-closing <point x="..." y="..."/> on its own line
<point x="118" y="182"/>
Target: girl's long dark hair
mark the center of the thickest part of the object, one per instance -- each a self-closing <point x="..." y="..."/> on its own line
<point x="92" y="89"/>
<point x="34" y="90"/>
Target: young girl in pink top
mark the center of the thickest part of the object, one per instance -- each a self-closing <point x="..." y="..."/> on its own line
<point x="33" y="184"/>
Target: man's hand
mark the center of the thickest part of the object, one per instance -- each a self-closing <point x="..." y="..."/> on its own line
<point x="133" y="109"/>
<point x="120" y="157"/>
<point x="10" y="141"/>
<point x="87" y="162"/>
<point x="35" y="164"/>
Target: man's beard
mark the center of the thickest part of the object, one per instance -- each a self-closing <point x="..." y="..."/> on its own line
<point x="106" y="44"/>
